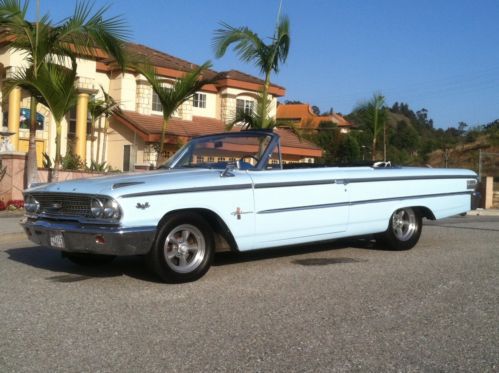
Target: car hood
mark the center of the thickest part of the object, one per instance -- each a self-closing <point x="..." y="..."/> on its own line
<point x="115" y="185"/>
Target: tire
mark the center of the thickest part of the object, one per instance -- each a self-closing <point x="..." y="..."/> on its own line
<point x="87" y="259"/>
<point x="404" y="230"/>
<point x="183" y="250"/>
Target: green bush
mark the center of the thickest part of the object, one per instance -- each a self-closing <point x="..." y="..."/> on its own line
<point x="72" y="161"/>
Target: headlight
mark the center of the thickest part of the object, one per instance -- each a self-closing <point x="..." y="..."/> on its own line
<point x="96" y="207"/>
<point x="31" y="205"/>
<point x="111" y="210"/>
<point x="105" y="208"/>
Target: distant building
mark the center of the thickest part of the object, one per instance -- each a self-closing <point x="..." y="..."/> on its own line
<point x="303" y="116"/>
<point x="130" y="141"/>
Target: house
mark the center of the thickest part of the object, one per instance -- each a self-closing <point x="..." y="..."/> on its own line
<point x="303" y="116"/>
<point x="130" y="140"/>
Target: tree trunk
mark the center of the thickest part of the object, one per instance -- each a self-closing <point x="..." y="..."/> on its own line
<point x="374" y="149"/>
<point x="99" y="136"/>
<point x="161" y="157"/>
<point x="104" y="143"/>
<point x="57" y="165"/>
<point x="30" y="169"/>
<point x="92" y="140"/>
<point x="265" y="92"/>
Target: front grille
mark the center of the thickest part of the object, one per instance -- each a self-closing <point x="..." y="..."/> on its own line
<point x="64" y="204"/>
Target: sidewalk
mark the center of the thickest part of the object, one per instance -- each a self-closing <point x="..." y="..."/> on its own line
<point x="483" y="212"/>
<point x="10" y="230"/>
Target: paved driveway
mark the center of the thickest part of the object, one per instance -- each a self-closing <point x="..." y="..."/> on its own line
<point x="335" y="307"/>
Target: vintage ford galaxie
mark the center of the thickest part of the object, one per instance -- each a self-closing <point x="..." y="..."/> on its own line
<point x="231" y="191"/>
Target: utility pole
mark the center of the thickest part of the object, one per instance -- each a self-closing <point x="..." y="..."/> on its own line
<point x="479" y="164"/>
<point x="384" y="141"/>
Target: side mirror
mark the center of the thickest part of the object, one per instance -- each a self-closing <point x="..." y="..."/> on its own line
<point x="229" y="169"/>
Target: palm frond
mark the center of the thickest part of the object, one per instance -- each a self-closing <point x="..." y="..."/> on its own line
<point x="87" y="31"/>
<point x="248" y="44"/>
<point x="12" y="11"/>
<point x="103" y="107"/>
<point x="171" y="97"/>
<point x="53" y="86"/>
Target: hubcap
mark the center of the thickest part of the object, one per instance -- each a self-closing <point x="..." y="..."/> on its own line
<point x="404" y="224"/>
<point x="184" y="248"/>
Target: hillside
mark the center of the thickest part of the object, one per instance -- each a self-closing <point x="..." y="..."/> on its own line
<point x="467" y="156"/>
<point x="413" y="140"/>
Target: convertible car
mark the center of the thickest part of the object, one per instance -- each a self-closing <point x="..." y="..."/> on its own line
<point x="231" y="191"/>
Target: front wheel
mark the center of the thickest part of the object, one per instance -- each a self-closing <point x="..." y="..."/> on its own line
<point x="183" y="250"/>
<point x="404" y="230"/>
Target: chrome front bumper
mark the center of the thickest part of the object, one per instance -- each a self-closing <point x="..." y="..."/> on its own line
<point x="109" y="240"/>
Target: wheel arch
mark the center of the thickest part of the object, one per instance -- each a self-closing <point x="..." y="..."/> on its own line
<point x="221" y="233"/>
<point x="424" y="212"/>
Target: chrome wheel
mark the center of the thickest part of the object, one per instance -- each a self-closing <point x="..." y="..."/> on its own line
<point x="184" y="248"/>
<point x="404" y="224"/>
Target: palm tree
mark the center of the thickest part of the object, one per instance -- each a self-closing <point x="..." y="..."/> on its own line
<point x="261" y="119"/>
<point x="171" y="97"/>
<point x="250" y="48"/>
<point x="98" y="108"/>
<point x="373" y="115"/>
<point x="53" y="86"/>
<point x="43" y="41"/>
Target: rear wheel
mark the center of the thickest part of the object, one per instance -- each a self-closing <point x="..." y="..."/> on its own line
<point x="404" y="230"/>
<point x="183" y="250"/>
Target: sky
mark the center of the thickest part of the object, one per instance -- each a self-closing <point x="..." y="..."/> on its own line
<point x="441" y="55"/>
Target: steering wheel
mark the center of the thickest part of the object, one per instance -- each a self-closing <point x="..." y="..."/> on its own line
<point x="247" y="165"/>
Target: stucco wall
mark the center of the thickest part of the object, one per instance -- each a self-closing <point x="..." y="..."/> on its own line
<point x="211" y="106"/>
<point x="118" y="137"/>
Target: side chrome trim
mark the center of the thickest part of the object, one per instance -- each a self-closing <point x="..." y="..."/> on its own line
<point x="189" y="190"/>
<point x="406" y="178"/>
<point x="362" y="202"/>
<point x="294" y="183"/>
<point x="291" y="184"/>
<point x="359" y="180"/>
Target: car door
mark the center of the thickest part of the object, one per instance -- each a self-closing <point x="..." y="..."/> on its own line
<point x="295" y="206"/>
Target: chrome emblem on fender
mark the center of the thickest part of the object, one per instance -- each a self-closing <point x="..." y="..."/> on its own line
<point x="142" y="206"/>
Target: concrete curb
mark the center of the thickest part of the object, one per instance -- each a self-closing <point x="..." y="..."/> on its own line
<point x="484" y="212"/>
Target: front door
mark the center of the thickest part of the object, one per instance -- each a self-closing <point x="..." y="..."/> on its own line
<point x="294" y="206"/>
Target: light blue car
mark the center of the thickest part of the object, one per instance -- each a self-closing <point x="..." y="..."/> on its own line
<point x="231" y="191"/>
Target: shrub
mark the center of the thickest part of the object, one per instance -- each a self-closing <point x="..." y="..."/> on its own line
<point x="16" y="203"/>
<point x="98" y="167"/>
<point x="72" y="161"/>
<point x="2" y="206"/>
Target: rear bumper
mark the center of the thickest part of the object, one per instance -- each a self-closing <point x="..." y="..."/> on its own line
<point x="109" y="240"/>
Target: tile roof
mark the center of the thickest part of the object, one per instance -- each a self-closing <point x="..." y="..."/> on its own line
<point x="152" y="124"/>
<point x="305" y="115"/>
<point x="238" y="75"/>
<point x="149" y="126"/>
<point x="161" y="59"/>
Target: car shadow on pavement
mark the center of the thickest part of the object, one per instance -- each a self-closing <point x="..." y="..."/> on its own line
<point x="226" y="258"/>
<point x="134" y="266"/>
<point x="52" y="260"/>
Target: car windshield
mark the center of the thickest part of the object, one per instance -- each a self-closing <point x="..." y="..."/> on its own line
<point x="244" y="150"/>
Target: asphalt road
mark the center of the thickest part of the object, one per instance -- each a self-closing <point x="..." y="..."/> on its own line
<point x="344" y="306"/>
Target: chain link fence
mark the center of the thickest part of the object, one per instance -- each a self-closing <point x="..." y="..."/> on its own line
<point x="488" y="164"/>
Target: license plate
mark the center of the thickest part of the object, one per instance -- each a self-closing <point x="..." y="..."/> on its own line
<point x="56" y="240"/>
